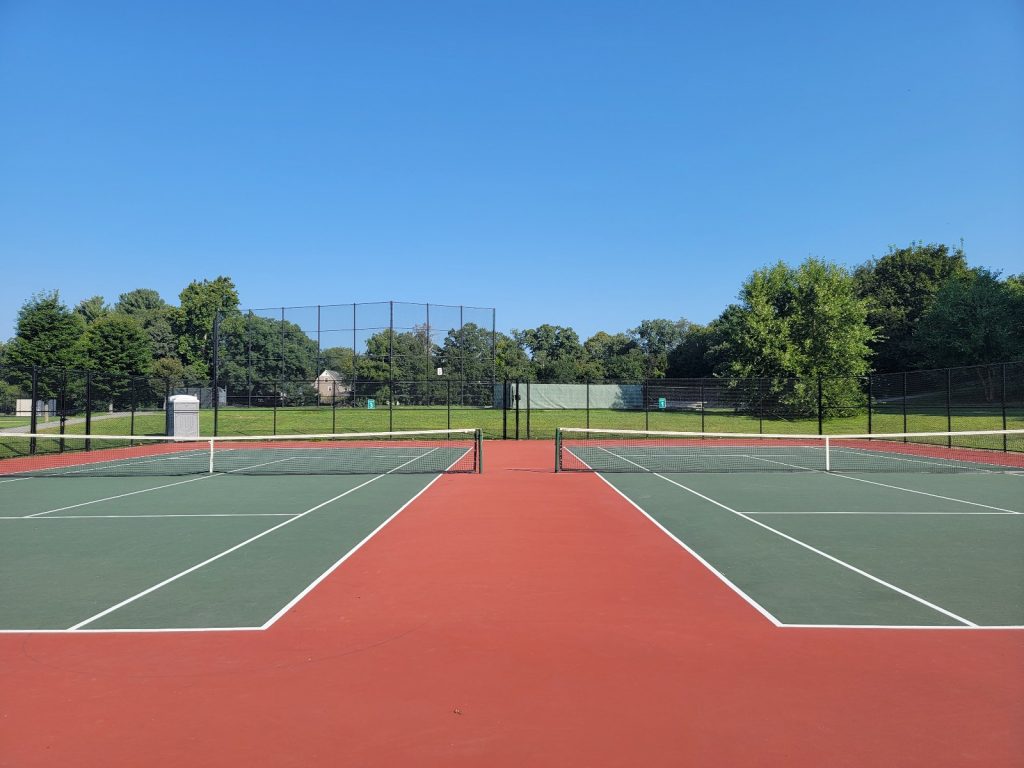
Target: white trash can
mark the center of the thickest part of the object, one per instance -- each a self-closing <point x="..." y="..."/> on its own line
<point x="183" y="416"/>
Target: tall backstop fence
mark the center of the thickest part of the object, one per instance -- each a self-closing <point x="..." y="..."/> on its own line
<point x="92" y="402"/>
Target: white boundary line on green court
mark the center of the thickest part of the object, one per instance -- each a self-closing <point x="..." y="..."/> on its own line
<point x="885" y="485"/>
<point x="875" y="512"/>
<point x="832" y="558"/>
<point x="155" y="517"/>
<point x="147" y="490"/>
<point x="693" y="553"/>
<point x="236" y="547"/>
<point x="291" y="603"/>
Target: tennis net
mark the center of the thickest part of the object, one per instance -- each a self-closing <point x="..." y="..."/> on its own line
<point x="599" y="450"/>
<point x="370" y="453"/>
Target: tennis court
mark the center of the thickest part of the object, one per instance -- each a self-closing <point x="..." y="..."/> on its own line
<point x="514" y="617"/>
<point x="919" y="530"/>
<point x="159" y="534"/>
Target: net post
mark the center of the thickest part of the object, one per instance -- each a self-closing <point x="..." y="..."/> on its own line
<point x="478" y="436"/>
<point x="505" y="390"/>
<point x="211" y="455"/>
<point x="828" y="455"/>
<point x="558" y="449"/>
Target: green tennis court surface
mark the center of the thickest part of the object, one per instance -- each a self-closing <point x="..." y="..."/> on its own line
<point x="123" y="533"/>
<point x="866" y="550"/>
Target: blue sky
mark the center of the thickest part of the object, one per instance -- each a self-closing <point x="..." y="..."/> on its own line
<point x="582" y="163"/>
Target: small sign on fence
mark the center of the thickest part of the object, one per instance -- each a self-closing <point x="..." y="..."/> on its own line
<point x="371" y="404"/>
<point x="662" y="405"/>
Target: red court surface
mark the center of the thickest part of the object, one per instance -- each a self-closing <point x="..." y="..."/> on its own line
<point x="516" y="618"/>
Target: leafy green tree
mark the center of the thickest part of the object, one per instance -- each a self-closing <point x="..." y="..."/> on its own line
<point x="513" y="364"/>
<point x="116" y="347"/>
<point x="691" y="358"/>
<point x="156" y="316"/>
<point x="267" y="357"/>
<point x="901" y="286"/>
<point x="975" y="318"/>
<point x="92" y="309"/>
<point x="615" y="357"/>
<point x="801" y="323"/>
<point x="139" y="302"/>
<point x="47" y="336"/>
<point x="555" y="351"/>
<point x="466" y="353"/>
<point x="201" y="301"/>
<point x="656" y="339"/>
<point x="338" y="359"/>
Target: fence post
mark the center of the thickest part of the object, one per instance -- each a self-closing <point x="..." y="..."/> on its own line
<point x="517" y="408"/>
<point x="33" y="420"/>
<point x="88" y="408"/>
<point x="216" y="365"/>
<point x="949" y="412"/>
<point x="131" y="427"/>
<point x="870" y="395"/>
<point x="529" y="412"/>
<point x="449" y="383"/>
<point x="273" y="400"/>
<point x="760" y="406"/>
<point x="505" y="392"/>
<point x="821" y="414"/>
<point x="588" y="403"/>
<point x="1003" y="399"/>
<point x="904" y="404"/>
<point x="702" y="405"/>
<point x="647" y="404"/>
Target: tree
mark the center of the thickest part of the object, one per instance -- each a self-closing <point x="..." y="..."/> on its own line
<point x="266" y="357"/>
<point x="513" y="364"/>
<point x="139" y="302"/>
<point x="92" y="309"/>
<point x="201" y="301"/>
<point x="692" y="358"/>
<point x="615" y="356"/>
<point x="466" y="353"/>
<point x="116" y="347"/>
<point x="656" y="339"/>
<point x="47" y="336"/>
<point x="901" y="286"/>
<point x="975" y="318"/>
<point x="805" y="323"/>
<point x="156" y="317"/>
<point x="555" y="351"/>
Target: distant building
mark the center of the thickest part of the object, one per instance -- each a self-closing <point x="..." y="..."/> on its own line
<point x="331" y="388"/>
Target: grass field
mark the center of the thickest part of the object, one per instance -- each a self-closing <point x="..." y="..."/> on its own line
<point x="537" y="424"/>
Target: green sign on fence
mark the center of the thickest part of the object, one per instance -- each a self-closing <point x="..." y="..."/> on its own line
<point x="371" y="404"/>
<point x="662" y="405"/>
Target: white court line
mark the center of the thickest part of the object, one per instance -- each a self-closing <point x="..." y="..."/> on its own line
<point x="693" y="553"/>
<point x="827" y="556"/>
<point x="118" y="517"/>
<point x="228" y="551"/>
<point x="147" y="490"/>
<point x="894" y="487"/>
<point x="890" y="514"/>
<point x="273" y="619"/>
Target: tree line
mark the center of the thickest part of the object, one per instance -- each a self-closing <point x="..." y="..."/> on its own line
<point x="915" y="307"/>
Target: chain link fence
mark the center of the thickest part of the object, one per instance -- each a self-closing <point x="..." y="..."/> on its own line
<point x="90" y="402"/>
